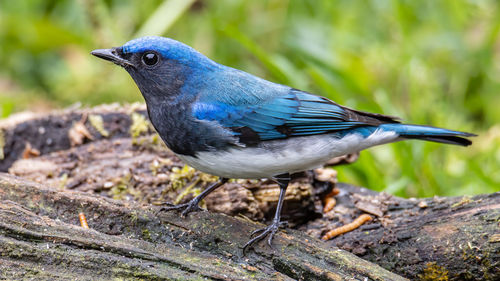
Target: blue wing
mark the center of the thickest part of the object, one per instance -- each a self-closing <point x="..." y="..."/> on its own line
<point x="292" y="114"/>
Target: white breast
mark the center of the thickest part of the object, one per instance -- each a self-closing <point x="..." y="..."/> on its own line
<point x="281" y="156"/>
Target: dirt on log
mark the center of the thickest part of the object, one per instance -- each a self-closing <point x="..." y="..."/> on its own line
<point x="112" y="152"/>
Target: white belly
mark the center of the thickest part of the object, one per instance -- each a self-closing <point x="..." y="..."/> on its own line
<point x="281" y="156"/>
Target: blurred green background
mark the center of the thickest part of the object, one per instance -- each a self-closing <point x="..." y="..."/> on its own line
<point x="429" y="62"/>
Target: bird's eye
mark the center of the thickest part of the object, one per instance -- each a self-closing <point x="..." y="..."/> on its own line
<point x="150" y="59"/>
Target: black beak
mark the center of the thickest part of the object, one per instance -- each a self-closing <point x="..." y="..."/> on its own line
<point x="111" y="55"/>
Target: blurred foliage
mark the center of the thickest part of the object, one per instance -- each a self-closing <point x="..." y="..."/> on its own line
<point x="429" y="62"/>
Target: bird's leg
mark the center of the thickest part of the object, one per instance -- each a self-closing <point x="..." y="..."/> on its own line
<point x="192" y="205"/>
<point x="271" y="229"/>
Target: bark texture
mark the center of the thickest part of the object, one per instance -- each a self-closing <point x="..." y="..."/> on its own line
<point x="83" y="158"/>
<point x="454" y="238"/>
<point x="40" y="238"/>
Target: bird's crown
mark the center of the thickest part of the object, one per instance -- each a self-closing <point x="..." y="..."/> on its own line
<point x="168" y="48"/>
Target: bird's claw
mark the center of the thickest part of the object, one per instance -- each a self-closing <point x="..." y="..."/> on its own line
<point x="281" y="224"/>
<point x="269" y="230"/>
<point x="191" y="206"/>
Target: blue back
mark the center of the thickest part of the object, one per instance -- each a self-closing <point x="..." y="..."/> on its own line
<point x="266" y="110"/>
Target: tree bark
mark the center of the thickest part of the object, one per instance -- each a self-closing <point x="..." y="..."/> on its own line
<point x="421" y="239"/>
<point x="40" y="238"/>
<point x="457" y="238"/>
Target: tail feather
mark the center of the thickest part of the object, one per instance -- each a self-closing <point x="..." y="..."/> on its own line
<point x="429" y="133"/>
<point x="443" y="139"/>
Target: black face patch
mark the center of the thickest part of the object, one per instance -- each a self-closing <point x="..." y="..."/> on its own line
<point x="121" y="54"/>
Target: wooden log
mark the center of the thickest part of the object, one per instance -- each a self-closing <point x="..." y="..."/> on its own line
<point x="426" y="239"/>
<point x="40" y="238"/>
<point x="453" y="238"/>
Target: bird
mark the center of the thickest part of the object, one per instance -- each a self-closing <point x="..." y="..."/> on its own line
<point x="234" y="125"/>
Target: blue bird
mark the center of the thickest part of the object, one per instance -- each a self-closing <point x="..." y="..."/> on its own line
<point x="231" y="124"/>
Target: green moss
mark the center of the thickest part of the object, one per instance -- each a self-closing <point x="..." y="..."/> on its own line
<point x="433" y="272"/>
<point x="155" y="139"/>
<point x="186" y="191"/>
<point x="123" y="188"/>
<point x="180" y="177"/>
<point x="188" y="178"/>
<point x="140" y="125"/>
<point x="134" y="216"/>
<point x="465" y="200"/>
<point x="146" y="234"/>
<point x="98" y="124"/>
<point x="63" y="180"/>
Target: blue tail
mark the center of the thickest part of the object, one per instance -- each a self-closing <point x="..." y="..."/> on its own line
<point x="429" y="133"/>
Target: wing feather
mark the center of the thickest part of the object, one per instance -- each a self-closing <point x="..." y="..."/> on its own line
<point x="295" y="113"/>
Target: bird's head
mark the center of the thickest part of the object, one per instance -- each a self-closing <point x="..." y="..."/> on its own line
<point x="159" y="66"/>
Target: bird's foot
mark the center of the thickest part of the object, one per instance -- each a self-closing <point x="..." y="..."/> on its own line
<point x="191" y="206"/>
<point x="269" y="231"/>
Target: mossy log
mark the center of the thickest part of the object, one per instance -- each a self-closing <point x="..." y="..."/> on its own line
<point x="421" y="239"/>
<point x="40" y="238"/>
